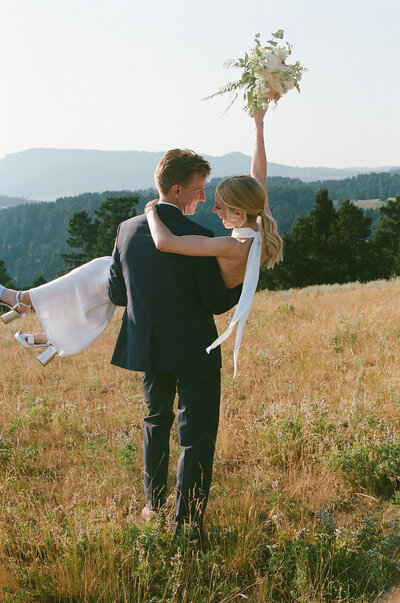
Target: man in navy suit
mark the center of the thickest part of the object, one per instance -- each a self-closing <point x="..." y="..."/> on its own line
<point x="170" y="300"/>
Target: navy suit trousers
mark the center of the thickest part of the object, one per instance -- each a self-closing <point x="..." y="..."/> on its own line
<point x="197" y="424"/>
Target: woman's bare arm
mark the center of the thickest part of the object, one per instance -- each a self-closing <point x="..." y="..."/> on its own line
<point x="195" y="245"/>
<point x="259" y="159"/>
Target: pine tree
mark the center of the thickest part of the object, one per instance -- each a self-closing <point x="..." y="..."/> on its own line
<point x="82" y="237"/>
<point x="351" y="236"/>
<point x="321" y="241"/>
<point x="309" y="248"/>
<point x="95" y="238"/>
<point x="110" y="214"/>
<point x="325" y="247"/>
<point x="386" y="241"/>
<point x="5" y="278"/>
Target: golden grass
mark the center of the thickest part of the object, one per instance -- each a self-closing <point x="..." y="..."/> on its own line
<point x="314" y="365"/>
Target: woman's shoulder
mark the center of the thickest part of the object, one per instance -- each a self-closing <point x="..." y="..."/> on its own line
<point x="232" y="247"/>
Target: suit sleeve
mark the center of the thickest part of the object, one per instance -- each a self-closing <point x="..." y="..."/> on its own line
<point x="213" y="293"/>
<point x="116" y="282"/>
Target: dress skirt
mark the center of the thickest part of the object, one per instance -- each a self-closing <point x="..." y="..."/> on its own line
<point x="75" y="309"/>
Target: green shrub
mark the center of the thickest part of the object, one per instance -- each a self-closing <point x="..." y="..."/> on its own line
<point x="373" y="466"/>
<point x="333" y="565"/>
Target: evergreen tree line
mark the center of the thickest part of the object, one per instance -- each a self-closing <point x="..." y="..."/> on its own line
<point x="90" y="238"/>
<point x="327" y="246"/>
<point x="33" y="236"/>
<point x="338" y="246"/>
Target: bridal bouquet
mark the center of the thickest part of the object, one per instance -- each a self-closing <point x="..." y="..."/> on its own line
<point x="265" y="74"/>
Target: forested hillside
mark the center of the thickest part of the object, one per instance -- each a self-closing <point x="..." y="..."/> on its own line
<point x="291" y="197"/>
<point x="33" y="235"/>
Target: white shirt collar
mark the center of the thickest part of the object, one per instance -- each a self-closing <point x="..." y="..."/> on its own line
<point x="166" y="203"/>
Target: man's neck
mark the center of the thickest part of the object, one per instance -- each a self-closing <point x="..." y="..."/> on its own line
<point x="164" y="199"/>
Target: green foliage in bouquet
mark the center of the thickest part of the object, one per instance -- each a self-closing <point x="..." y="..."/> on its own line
<point x="266" y="76"/>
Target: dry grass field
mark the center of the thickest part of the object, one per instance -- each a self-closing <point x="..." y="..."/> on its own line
<point x="371" y="203"/>
<point x="306" y="474"/>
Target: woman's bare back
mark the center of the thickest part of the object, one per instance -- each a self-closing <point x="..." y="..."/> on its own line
<point x="233" y="266"/>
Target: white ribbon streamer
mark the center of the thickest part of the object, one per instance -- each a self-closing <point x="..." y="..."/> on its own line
<point x="248" y="290"/>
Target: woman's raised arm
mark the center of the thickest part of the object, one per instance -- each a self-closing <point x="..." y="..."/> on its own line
<point x="259" y="159"/>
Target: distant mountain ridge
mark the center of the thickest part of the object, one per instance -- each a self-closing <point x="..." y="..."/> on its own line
<point x="46" y="174"/>
<point x="6" y="201"/>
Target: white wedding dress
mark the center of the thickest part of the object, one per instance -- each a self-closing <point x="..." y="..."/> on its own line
<point x="75" y="308"/>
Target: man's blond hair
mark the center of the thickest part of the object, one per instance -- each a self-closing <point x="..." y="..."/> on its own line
<point x="178" y="166"/>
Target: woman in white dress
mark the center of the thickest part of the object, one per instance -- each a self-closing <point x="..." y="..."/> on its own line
<point x="75" y="309"/>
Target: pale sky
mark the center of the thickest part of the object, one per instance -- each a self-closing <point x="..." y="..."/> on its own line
<point x="129" y="75"/>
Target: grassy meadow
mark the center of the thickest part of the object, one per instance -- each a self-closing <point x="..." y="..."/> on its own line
<point x="306" y="472"/>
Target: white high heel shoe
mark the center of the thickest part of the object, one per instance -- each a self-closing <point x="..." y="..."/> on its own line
<point x="48" y="355"/>
<point x="28" y="341"/>
<point x="13" y="314"/>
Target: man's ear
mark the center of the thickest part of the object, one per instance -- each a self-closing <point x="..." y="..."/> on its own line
<point x="175" y="190"/>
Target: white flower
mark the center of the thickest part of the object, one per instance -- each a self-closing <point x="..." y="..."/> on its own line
<point x="272" y="62"/>
<point x="281" y="53"/>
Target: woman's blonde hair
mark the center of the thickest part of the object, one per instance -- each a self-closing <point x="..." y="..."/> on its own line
<point x="245" y="193"/>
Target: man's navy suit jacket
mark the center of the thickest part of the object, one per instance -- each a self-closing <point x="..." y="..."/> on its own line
<point x="170" y="299"/>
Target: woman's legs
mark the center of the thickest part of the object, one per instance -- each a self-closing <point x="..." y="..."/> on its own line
<point x="37" y="337"/>
<point x="9" y="297"/>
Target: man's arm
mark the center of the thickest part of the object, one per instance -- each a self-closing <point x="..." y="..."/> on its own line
<point x="116" y="283"/>
<point x="213" y="293"/>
